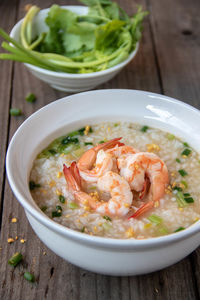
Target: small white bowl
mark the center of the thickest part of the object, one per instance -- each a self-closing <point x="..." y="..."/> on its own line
<point x="98" y="254"/>
<point x="66" y="81"/>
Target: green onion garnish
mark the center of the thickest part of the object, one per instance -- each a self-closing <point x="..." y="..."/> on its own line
<point x="87" y="143"/>
<point x="186" y="152"/>
<point x="182" y="172"/>
<point x="163" y="230"/>
<point x="155" y="219"/>
<point x="178" y="160"/>
<point x="30" y="98"/>
<point x="15" y="112"/>
<point x="44" y="208"/>
<point x="90" y="130"/>
<point x="28" y="276"/>
<point x="180" y="200"/>
<point x="144" y="128"/>
<point x="33" y="185"/>
<point x="73" y="205"/>
<point x="106" y="226"/>
<point x="170" y="136"/>
<point x="83" y="229"/>
<point x="177" y="188"/>
<point x="189" y="199"/>
<point x="186" y="144"/>
<point x="116" y="124"/>
<point x="107" y="218"/>
<point x="15" y="259"/>
<point x="56" y="214"/>
<point x="184" y="183"/>
<point x="61" y="198"/>
<point x="101" y="142"/>
<point x="52" y="151"/>
<point x="179" y="229"/>
<point x="186" y="194"/>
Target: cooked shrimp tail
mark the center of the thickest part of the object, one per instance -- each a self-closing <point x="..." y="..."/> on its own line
<point x="72" y="177"/>
<point x="87" y="160"/>
<point x="143" y="209"/>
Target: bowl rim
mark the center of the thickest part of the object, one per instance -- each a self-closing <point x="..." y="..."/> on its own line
<point x="72" y="75"/>
<point x="85" y="238"/>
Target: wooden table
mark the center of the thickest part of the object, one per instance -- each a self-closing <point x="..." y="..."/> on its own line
<point x="168" y="62"/>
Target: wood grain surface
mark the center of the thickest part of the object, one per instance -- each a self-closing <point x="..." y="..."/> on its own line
<point x="167" y="62"/>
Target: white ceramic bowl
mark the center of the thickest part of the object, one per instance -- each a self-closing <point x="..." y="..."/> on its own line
<point x="65" y="81"/>
<point x="97" y="254"/>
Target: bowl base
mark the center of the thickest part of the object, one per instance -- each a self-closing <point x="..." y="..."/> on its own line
<point x="71" y="90"/>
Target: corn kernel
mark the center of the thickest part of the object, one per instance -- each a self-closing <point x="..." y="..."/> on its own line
<point x="10" y="240"/>
<point x="148" y="225"/>
<point x="58" y="192"/>
<point x="52" y="183"/>
<point x="152" y="148"/>
<point x="59" y="174"/>
<point x="14" y="220"/>
<point x="129" y="232"/>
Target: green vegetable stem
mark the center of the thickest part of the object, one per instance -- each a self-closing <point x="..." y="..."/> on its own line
<point x="77" y="44"/>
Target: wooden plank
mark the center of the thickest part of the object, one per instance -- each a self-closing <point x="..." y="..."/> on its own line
<point x="8" y="18"/>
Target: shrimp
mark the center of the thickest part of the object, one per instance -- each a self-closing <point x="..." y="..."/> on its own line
<point x="112" y="183"/>
<point x="137" y="169"/>
<point x="96" y="155"/>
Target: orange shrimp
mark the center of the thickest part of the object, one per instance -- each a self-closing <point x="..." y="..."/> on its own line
<point x="135" y="168"/>
<point x="103" y="161"/>
<point x="112" y="183"/>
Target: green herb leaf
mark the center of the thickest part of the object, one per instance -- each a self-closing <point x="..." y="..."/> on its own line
<point x="87" y="143"/>
<point x="155" y="219"/>
<point x="101" y="142"/>
<point x="184" y="183"/>
<point x="182" y="172"/>
<point x="83" y="229"/>
<point x="144" y="128"/>
<point x="15" y="112"/>
<point x="177" y="188"/>
<point x="44" y="208"/>
<point x="56" y="214"/>
<point x="186" y="144"/>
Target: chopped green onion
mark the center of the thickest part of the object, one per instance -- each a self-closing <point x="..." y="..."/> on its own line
<point x="144" y="128"/>
<point x="87" y="143"/>
<point x="155" y="219"/>
<point x="177" y="188"/>
<point x="107" y="218"/>
<point x="170" y="136"/>
<point x="186" y="152"/>
<point x="189" y="199"/>
<point x="15" y="112"/>
<point x="73" y="205"/>
<point x="163" y="230"/>
<point x="68" y="140"/>
<point x="116" y="124"/>
<point x="101" y="142"/>
<point x="28" y="276"/>
<point x="44" y="208"/>
<point x="184" y="183"/>
<point x="58" y="208"/>
<point x="90" y="130"/>
<point x="182" y="172"/>
<point x="93" y="188"/>
<point x="52" y="151"/>
<point x="186" y="144"/>
<point x="56" y="214"/>
<point x="30" y="98"/>
<point x="186" y="194"/>
<point x="106" y="226"/>
<point x="33" y="185"/>
<point x="178" y="160"/>
<point x="15" y="259"/>
<point x="61" y="198"/>
<point x="179" y="229"/>
<point x="180" y="200"/>
<point x="83" y="229"/>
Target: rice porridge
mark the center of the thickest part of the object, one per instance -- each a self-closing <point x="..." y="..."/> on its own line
<point x="176" y="206"/>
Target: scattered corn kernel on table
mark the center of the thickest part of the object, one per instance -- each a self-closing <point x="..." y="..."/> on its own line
<point x="167" y="62"/>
